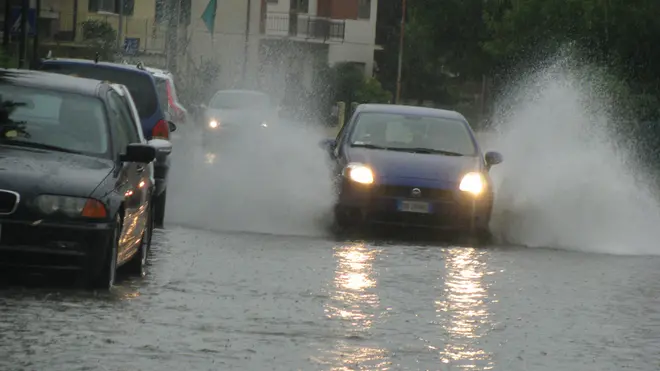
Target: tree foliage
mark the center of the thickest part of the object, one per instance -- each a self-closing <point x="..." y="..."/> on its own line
<point x="449" y="42"/>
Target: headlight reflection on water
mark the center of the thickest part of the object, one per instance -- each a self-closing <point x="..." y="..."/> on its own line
<point x="354" y="303"/>
<point x="463" y="310"/>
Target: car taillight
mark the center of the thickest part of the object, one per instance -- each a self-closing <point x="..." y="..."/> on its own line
<point x="161" y="130"/>
<point x="170" y="98"/>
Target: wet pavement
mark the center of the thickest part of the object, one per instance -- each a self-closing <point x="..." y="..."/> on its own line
<point x="219" y="300"/>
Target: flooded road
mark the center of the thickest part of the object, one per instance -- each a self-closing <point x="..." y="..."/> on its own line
<point x="262" y="302"/>
<point x="217" y="300"/>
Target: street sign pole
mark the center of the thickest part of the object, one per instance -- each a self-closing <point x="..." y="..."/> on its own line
<point x="120" y="26"/>
<point x="22" y="46"/>
<point x="401" y="41"/>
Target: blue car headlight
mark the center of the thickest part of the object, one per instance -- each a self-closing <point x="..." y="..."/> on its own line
<point x="473" y="183"/>
<point x="359" y="173"/>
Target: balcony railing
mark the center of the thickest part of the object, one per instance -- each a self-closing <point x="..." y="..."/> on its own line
<point x="304" y="26"/>
<point x="150" y="35"/>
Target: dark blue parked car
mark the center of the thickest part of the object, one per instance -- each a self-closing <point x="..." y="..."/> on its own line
<point x="153" y="115"/>
<point x="411" y="166"/>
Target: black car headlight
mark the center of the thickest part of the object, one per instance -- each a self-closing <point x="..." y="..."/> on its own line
<point x="72" y="207"/>
<point x="213" y="123"/>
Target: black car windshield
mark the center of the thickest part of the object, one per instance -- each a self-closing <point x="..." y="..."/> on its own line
<point x="412" y="133"/>
<point x="139" y="84"/>
<point x="239" y="100"/>
<point x="47" y="119"/>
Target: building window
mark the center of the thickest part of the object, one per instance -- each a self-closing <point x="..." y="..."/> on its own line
<point x="364" y="9"/>
<point x="162" y="11"/>
<point x="111" y="6"/>
<point x="300" y="6"/>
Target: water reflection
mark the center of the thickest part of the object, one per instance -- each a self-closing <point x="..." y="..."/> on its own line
<point x="463" y="311"/>
<point x="355" y="305"/>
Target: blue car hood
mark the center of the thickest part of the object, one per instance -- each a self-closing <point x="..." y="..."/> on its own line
<point x="401" y="167"/>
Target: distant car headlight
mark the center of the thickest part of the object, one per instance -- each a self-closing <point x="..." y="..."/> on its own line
<point x="213" y="124"/>
<point x="70" y="206"/>
<point x="264" y="124"/>
<point x="359" y="173"/>
<point x="473" y="183"/>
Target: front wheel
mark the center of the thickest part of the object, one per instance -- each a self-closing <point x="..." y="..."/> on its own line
<point x="481" y="236"/>
<point x="138" y="263"/>
<point x="105" y="279"/>
<point x="159" y="212"/>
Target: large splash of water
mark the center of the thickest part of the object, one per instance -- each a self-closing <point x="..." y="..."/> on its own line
<point x="567" y="180"/>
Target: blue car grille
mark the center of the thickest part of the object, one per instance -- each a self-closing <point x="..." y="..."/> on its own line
<point x="406" y="192"/>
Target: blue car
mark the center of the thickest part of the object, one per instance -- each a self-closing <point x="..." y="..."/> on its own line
<point x="155" y="121"/>
<point x="411" y="166"/>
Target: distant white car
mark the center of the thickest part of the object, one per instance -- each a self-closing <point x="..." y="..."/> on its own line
<point x="168" y="93"/>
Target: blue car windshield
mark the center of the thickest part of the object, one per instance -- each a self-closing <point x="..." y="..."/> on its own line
<point x="413" y="133"/>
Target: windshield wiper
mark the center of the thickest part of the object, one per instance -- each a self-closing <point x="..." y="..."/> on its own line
<point x="428" y="150"/>
<point x="370" y="146"/>
<point x="20" y="143"/>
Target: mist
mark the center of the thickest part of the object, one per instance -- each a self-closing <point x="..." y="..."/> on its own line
<point x="272" y="180"/>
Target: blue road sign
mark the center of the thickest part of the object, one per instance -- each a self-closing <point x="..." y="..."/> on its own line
<point x="131" y="45"/>
<point x="16" y="21"/>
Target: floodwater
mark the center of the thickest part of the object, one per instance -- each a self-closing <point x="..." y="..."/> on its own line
<point x="244" y="300"/>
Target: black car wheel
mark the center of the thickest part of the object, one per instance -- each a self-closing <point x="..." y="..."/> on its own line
<point x="159" y="209"/>
<point x="105" y="279"/>
<point x="344" y="219"/>
<point x="480" y="236"/>
<point x="138" y="263"/>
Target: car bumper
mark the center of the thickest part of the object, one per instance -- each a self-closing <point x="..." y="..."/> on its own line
<point x="447" y="209"/>
<point x="161" y="172"/>
<point x="54" y="246"/>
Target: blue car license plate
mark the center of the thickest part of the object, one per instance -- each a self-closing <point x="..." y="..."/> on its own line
<point x="414" y="207"/>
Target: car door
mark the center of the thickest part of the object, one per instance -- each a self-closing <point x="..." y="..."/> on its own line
<point x="135" y="116"/>
<point x="131" y="178"/>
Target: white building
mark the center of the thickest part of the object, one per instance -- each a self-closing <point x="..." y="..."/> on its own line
<point x="289" y="40"/>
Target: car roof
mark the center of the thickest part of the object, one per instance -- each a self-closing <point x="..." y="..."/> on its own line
<point x="409" y="110"/>
<point x="119" y="66"/>
<point x="51" y="81"/>
<point x="158" y="72"/>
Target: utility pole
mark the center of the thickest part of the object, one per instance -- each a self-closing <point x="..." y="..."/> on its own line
<point x="120" y="26"/>
<point x="35" y="41"/>
<point x="22" y="46"/>
<point x="7" y="28"/>
<point x="401" y="40"/>
<point x="171" y="33"/>
<point x="247" y="41"/>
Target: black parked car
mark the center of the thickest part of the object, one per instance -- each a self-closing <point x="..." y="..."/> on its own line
<point x="154" y="115"/>
<point x="75" y="192"/>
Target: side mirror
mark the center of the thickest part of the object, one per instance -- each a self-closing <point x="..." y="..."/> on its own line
<point x="163" y="148"/>
<point x="493" y="158"/>
<point x="172" y="126"/>
<point x="138" y="152"/>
